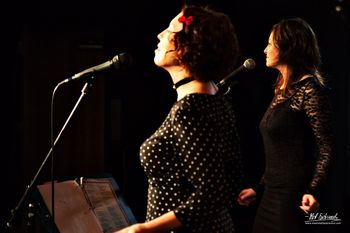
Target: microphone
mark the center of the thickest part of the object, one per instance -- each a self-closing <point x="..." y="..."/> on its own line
<point x="248" y="64"/>
<point x="120" y="61"/>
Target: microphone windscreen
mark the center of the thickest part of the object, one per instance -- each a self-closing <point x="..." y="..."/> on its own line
<point x="122" y="61"/>
<point x="249" y="64"/>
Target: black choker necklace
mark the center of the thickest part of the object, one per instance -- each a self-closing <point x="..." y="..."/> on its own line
<point x="182" y="82"/>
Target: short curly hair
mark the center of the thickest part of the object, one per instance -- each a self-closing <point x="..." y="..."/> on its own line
<point x="208" y="46"/>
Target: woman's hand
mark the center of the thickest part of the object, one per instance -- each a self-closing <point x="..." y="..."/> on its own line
<point x="163" y="223"/>
<point x="246" y="196"/>
<point x="309" y="204"/>
<point x="136" y="228"/>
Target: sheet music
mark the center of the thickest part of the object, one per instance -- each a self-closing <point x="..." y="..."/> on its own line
<point x="105" y="204"/>
<point x="72" y="212"/>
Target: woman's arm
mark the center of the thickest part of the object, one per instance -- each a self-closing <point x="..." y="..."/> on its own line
<point x="163" y="223"/>
<point x="319" y="112"/>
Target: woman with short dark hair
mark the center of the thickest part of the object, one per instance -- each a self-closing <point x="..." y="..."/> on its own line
<point x="193" y="161"/>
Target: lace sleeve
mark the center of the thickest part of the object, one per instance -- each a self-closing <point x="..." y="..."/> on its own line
<point x="258" y="188"/>
<point x="317" y="107"/>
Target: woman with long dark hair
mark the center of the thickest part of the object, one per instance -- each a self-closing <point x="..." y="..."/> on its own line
<point x="296" y="129"/>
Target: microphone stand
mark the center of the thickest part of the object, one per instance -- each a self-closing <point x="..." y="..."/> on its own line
<point x="227" y="84"/>
<point x="84" y="91"/>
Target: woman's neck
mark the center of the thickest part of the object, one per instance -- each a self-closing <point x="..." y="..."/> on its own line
<point x="285" y="73"/>
<point x="196" y="86"/>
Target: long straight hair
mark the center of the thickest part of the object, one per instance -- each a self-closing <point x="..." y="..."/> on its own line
<point x="298" y="49"/>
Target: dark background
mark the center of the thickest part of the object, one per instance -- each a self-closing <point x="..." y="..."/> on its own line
<point x="44" y="42"/>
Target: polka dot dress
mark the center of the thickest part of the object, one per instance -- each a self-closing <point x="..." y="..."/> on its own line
<point x="193" y="166"/>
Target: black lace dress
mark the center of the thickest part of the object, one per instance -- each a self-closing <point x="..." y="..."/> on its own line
<point x="298" y="141"/>
<point x="193" y="164"/>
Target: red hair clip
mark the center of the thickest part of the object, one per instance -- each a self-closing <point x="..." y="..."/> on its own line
<point x="187" y="20"/>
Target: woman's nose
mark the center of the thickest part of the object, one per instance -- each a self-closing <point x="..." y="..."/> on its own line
<point x="160" y="35"/>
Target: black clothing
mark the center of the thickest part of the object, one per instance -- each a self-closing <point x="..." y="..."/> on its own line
<point x="279" y="212"/>
<point x="193" y="165"/>
<point x="298" y="142"/>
